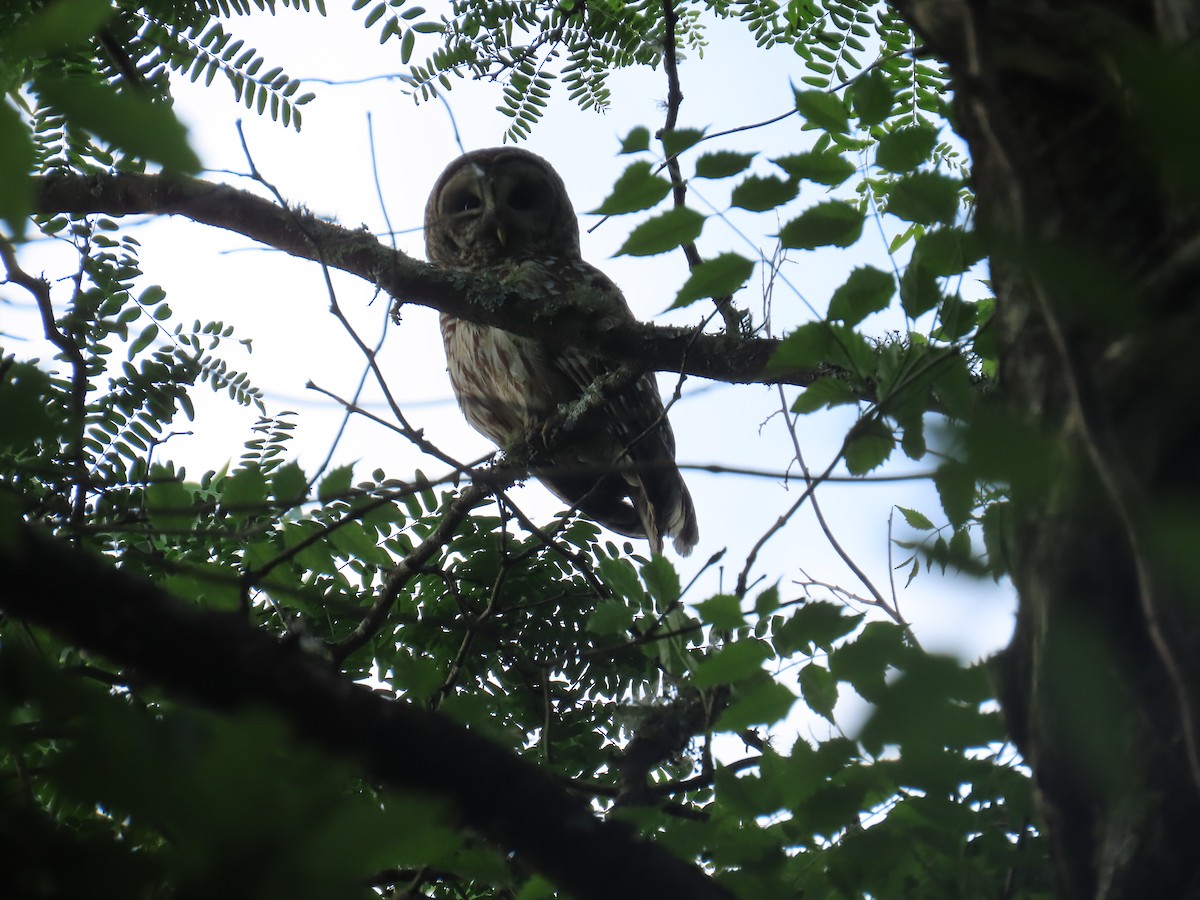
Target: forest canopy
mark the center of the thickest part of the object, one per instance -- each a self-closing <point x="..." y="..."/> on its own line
<point x="305" y="680"/>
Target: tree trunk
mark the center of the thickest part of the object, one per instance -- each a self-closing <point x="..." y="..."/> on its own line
<point x="1078" y="116"/>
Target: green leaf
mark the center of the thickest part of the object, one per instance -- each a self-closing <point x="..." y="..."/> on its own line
<point x="765" y="703"/>
<point x="638" y="188"/>
<point x="819" y="689"/>
<point x="289" y="485"/>
<point x="610" y="617"/>
<point x="924" y="197"/>
<point x="955" y="485"/>
<point x="677" y="140"/>
<point x="865" y="661"/>
<point x="664" y="232"/>
<point x="768" y="601"/>
<point x="718" y="277"/>
<point x="135" y="124"/>
<point x="832" y="223"/>
<point x="56" y="25"/>
<point x="824" y="168"/>
<point x="245" y="490"/>
<point x="736" y="662"/>
<point x="30" y="413"/>
<point x="722" y="164"/>
<point x="662" y="581"/>
<point x="867" y="290"/>
<point x="824" y="393"/>
<point x="872" y="98"/>
<point x="621" y="577"/>
<point x="816" y="623"/>
<point x="722" y="611"/>
<point x="949" y="251"/>
<point x="336" y="484"/>
<point x="919" y="290"/>
<point x="168" y="502"/>
<point x="915" y="519"/>
<point x="869" y="444"/>
<point x="759" y="193"/>
<point x="636" y="141"/>
<point x="824" y="110"/>
<point x="143" y="340"/>
<point x="904" y="149"/>
<point x="805" y="348"/>
<point x="16" y="162"/>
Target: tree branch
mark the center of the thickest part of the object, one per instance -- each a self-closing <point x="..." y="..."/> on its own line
<point x="217" y="660"/>
<point x="358" y="252"/>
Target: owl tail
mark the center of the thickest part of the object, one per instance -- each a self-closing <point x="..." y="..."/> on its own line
<point x="666" y="510"/>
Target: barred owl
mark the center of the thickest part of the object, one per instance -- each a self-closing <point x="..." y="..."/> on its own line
<point x="505" y="211"/>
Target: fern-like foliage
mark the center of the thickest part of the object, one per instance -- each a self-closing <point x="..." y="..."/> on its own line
<point x="527" y="46"/>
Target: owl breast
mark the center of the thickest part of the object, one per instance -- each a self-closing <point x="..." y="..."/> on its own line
<point x="499" y="379"/>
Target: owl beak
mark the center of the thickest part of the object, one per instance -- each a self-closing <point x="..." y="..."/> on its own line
<point x="500" y="235"/>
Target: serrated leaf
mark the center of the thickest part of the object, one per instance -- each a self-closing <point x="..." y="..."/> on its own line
<point x="131" y="122"/>
<point x="904" y="149"/>
<point x="830" y="169"/>
<point x="870" y="443"/>
<point x="872" y="98"/>
<point x="832" y="223"/>
<point x="722" y="611"/>
<point x="865" y="661"/>
<point x="289" y="485"/>
<point x="245" y="490"/>
<point x="336" y="484"/>
<point x="825" y="110"/>
<point x="867" y="290"/>
<point x="718" y="277"/>
<point x="925" y="197"/>
<point x="621" y="577"/>
<point x="736" y="662"/>
<point x="949" y="251"/>
<point x="956" y="489"/>
<point x="816" y="623"/>
<point x="636" y="141"/>
<point x="722" y="164"/>
<point x="168" y="502"/>
<point x="824" y="393"/>
<point x="677" y="140"/>
<point x="915" y="519"/>
<point x="763" y="704"/>
<point x="819" y="689"/>
<point x="759" y="193"/>
<point x="638" y="188"/>
<point x="664" y="232"/>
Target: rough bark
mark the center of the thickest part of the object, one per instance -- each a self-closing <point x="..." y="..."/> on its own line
<point x="1093" y="227"/>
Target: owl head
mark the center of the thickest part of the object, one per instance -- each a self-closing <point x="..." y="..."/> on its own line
<point x="499" y="204"/>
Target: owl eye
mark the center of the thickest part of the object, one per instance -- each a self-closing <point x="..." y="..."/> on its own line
<point x="463" y="201"/>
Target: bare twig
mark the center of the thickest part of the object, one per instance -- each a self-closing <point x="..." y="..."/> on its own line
<point x="39" y="288"/>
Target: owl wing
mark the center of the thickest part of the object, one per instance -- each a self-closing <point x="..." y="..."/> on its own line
<point x="624" y="453"/>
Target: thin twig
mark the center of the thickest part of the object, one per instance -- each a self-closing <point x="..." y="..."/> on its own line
<point x="39" y="288"/>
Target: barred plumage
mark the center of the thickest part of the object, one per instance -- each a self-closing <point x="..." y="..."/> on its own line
<point x="506" y="212"/>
